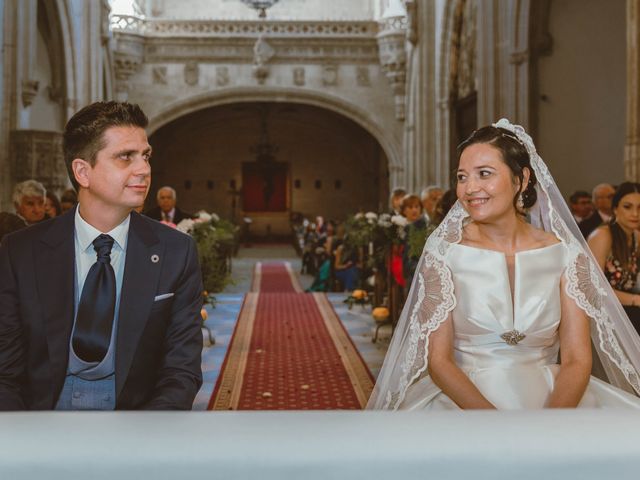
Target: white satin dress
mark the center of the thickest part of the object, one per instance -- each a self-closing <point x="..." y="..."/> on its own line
<point x="510" y="376"/>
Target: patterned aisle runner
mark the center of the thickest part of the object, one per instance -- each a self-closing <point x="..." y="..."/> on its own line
<point x="289" y="351"/>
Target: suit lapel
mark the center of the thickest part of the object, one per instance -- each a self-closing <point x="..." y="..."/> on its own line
<point x="54" y="263"/>
<point x="139" y="285"/>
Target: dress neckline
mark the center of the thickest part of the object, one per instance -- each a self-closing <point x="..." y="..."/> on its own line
<point x="529" y="251"/>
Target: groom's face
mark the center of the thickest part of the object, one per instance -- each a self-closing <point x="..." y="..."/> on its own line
<point x="485" y="186"/>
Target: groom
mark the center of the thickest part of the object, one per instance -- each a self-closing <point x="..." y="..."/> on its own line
<point x="100" y="307"/>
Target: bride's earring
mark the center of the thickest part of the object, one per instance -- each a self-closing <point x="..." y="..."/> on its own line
<point x="520" y="202"/>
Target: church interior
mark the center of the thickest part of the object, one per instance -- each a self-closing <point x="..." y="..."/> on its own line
<point x="285" y="129"/>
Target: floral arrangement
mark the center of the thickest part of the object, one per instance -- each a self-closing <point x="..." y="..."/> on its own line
<point x="216" y="240"/>
<point x="375" y="234"/>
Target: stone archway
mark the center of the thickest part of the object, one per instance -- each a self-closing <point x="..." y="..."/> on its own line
<point x="390" y="145"/>
<point x="213" y="157"/>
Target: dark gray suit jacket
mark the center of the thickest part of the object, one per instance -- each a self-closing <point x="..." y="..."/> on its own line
<point x="158" y="344"/>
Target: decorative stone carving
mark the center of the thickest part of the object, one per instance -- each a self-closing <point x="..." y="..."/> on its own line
<point x="362" y="77"/>
<point x="29" y="91"/>
<point x="55" y="93"/>
<point x="393" y="56"/>
<point x="159" y="75"/>
<point x="125" y="66"/>
<point x="330" y="75"/>
<point x="299" y="76"/>
<point x="242" y="28"/>
<point x="262" y="53"/>
<point x="222" y="76"/>
<point x="38" y="155"/>
<point x="232" y="50"/>
<point x="191" y="73"/>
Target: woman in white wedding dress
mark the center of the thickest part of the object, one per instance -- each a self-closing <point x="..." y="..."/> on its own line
<point x="496" y="299"/>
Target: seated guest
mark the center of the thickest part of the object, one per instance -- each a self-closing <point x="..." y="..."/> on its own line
<point x="345" y="262"/>
<point x="28" y="200"/>
<point x="581" y="205"/>
<point x="429" y="198"/>
<point x="446" y="202"/>
<point x="615" y="246"/>
<point x="395" y="200"/>
<point x="52" y="206"/>
<point x="323" y="275"/>
<point x="166" y="211"/>
<point x="412" y="211"/>
<point x="602" y="195"/>
<point x="68" y="199"/>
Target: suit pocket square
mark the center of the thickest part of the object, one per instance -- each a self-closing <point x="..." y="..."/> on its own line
<point x="163" y="296"/>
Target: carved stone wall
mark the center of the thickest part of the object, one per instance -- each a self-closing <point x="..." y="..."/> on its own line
<point x="165" y="64"/>
<point x="38" y="155"/>
<point x="55" y="57"/>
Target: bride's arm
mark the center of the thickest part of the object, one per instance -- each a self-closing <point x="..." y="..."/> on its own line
<point x="575" y="354"/>
<point x="447" y="375"/>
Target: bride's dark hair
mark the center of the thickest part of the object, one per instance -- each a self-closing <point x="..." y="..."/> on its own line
<point x="515" y="156"/>
<point x="619" y="246"/>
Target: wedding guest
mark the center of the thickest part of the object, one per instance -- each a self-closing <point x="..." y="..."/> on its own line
<point x="602" y="196"/>
<point x="28" y="201"/>
<point x="580" y="205"/>
<point x="430" y="197"/>
<point x="345" y="262"/>
<point x="52" y="206"/>
<point x="68" y="199"/>
<point x="118" y="324"/>
<point x="615" y="246"/>
<point x="395" y="200"/>
<point x="167" y="211"/>
<point x="412" y="211"/>
<point x="446" y="202"/>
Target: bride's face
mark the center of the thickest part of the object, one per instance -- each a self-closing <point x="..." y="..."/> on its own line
<point x="486" y="185"/>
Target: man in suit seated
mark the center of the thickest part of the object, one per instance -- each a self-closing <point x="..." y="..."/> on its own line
<point x="29" y="200"/>
<point x="602" y="196"/>
<point x="100" y="307"/>
<point x="166" y="210"/>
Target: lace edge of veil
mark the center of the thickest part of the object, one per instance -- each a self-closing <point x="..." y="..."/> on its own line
<point x="436" y="299"/>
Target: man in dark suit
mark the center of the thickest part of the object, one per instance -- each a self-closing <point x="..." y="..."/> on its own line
<point x="166" y="210"/>
<point x="602" y="197"/>
<point x="100" y="307"/>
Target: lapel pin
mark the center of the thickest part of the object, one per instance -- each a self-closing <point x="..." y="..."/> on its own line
<point x="155" y="258"/>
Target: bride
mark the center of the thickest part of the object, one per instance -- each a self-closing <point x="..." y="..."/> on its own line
<point x="507" y="299"/>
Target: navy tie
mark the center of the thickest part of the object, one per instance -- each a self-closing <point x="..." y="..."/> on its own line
<point x="94" y="320"/>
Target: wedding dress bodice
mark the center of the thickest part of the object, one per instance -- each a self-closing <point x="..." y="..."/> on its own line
<point x="492" y="330"/>
<point x="508" y="344"/>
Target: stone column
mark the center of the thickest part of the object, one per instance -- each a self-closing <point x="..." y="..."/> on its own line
<point x="423" y="166"/>
<point x="632" y="145"/>
<point x="393" y="54"/>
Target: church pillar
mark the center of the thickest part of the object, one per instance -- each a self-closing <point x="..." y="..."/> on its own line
<point x="632" y="144"/>
<point x="423" y="165"/>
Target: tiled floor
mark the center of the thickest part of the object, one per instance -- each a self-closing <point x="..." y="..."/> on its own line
<point x="358" y="321"/>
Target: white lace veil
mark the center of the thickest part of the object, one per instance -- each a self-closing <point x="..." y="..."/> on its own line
<point x="431" y="297"/>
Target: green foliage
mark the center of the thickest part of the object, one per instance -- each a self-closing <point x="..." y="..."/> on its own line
<point x="216" y="240"/>
<point x="416" y="239"/>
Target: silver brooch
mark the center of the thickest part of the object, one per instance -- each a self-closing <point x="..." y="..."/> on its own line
<point x="155" y="258"/>
<point x="512" y="337"/>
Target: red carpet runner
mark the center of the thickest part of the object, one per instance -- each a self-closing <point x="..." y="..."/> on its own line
<point x="289" y="351"/>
